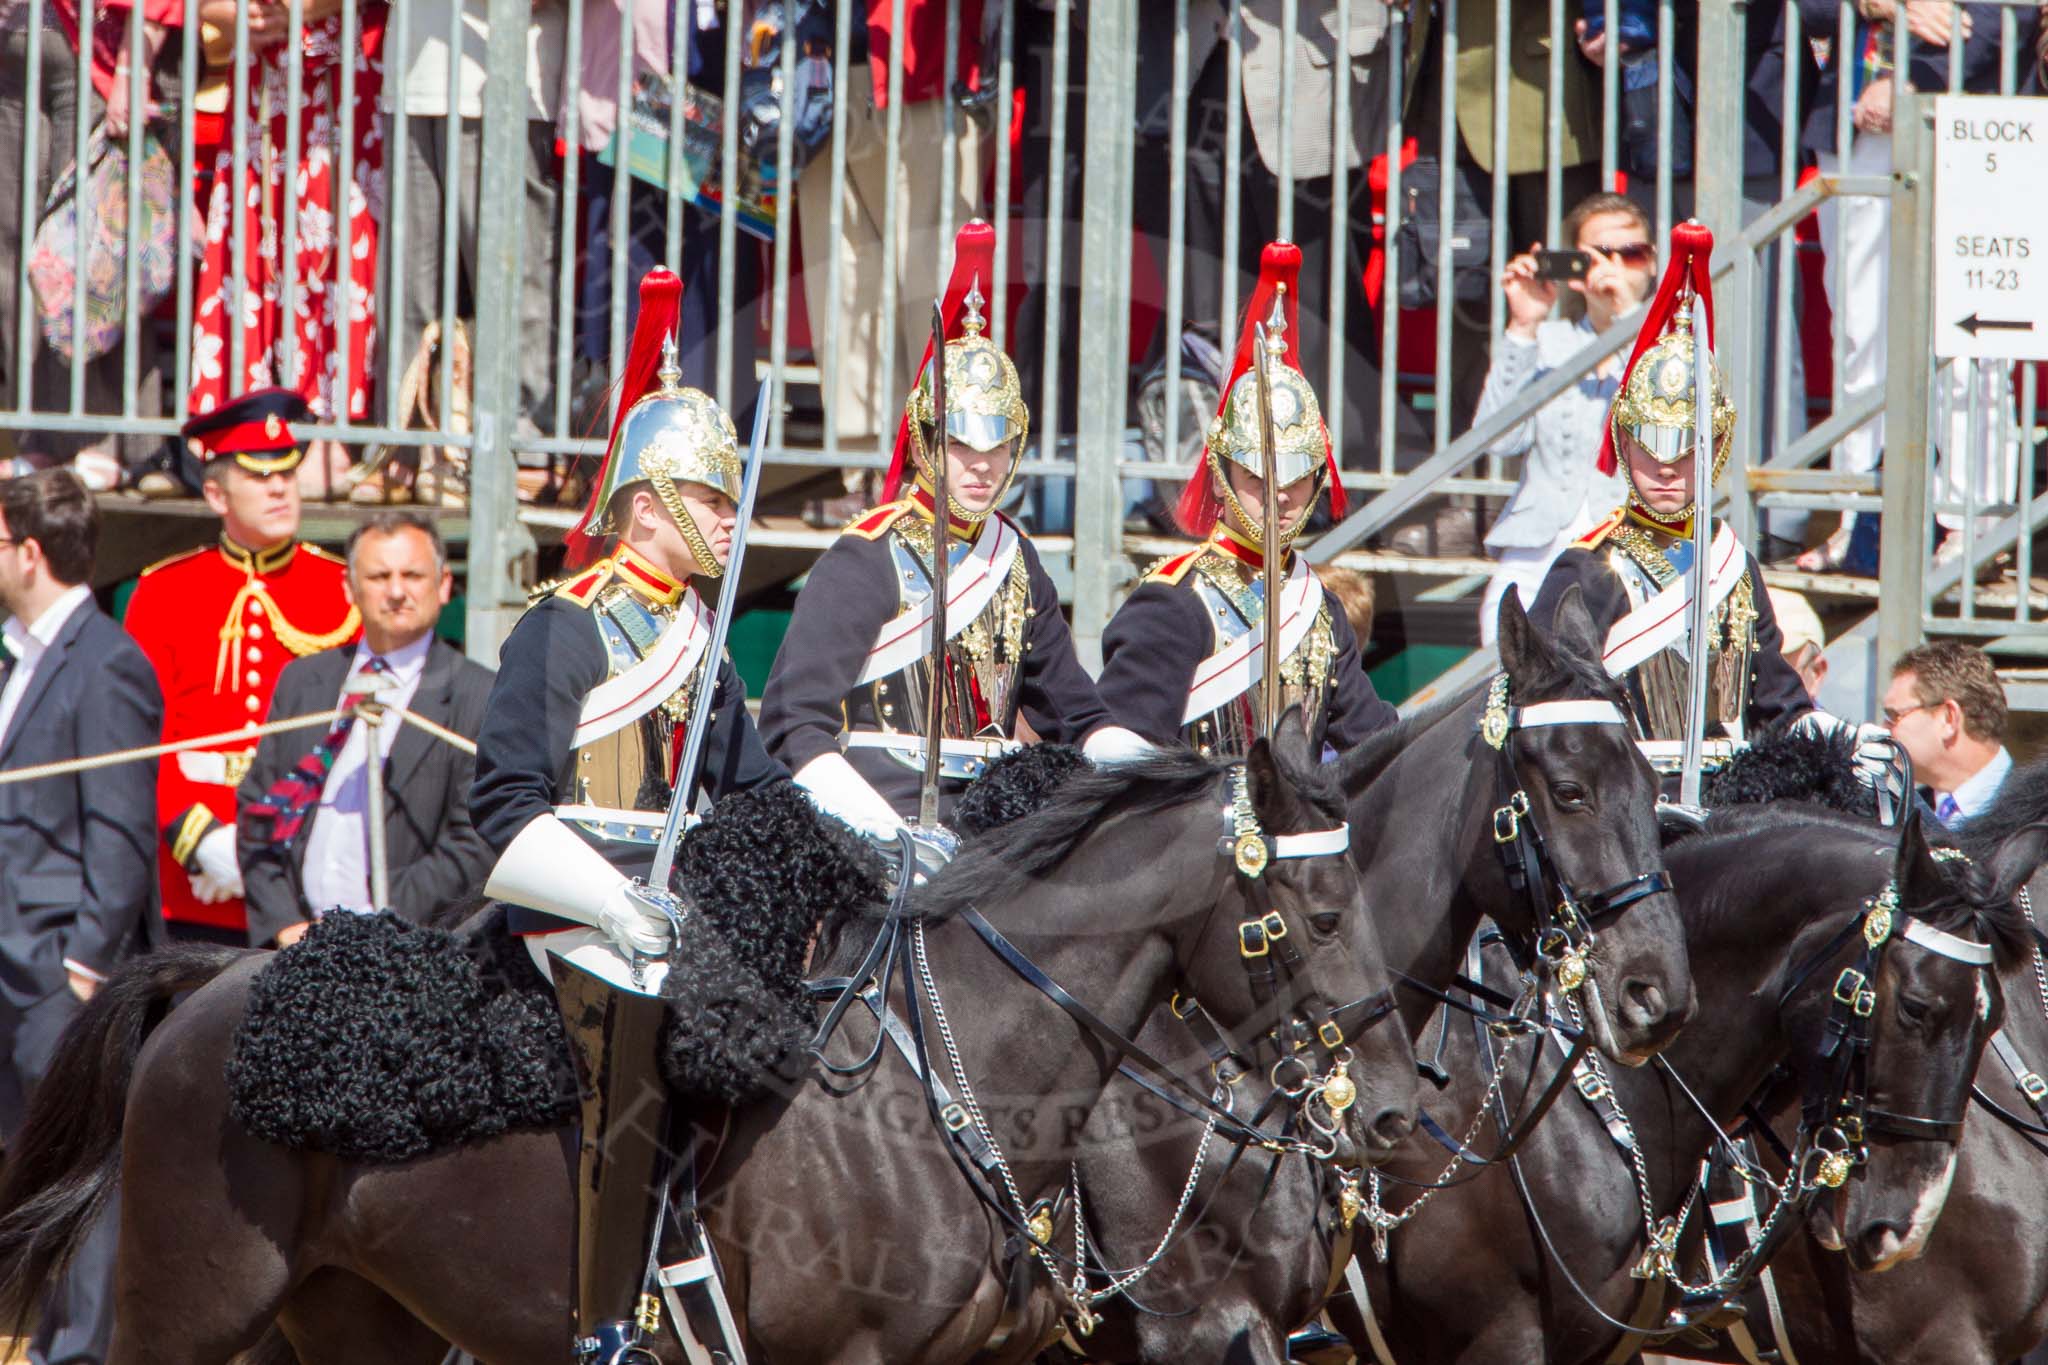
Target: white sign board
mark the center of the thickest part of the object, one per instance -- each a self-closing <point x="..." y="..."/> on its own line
<point x="1991" y="227"/>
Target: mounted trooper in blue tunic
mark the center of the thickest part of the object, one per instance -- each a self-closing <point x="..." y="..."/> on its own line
<point x="848" y="702"/>
<point x="576" y="772"/>
<point x="1183" y="658"/>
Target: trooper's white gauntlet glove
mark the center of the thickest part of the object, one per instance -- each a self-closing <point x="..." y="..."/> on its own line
<point x="219" y="877"/>
<point x="634" y="923"/>
<point x="1875" y="747"/>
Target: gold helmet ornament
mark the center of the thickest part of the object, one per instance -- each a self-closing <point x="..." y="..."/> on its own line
<point x="665" y="434"/>
<point x="1301" y="442"/>
<point x="984" y="398"/>
<point x="1655" y="406"/>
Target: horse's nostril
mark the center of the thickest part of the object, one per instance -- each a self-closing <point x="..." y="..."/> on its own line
<point x="1643" y="1004"/>
<point x="1880" y="1242"/>
<point x="1389" y="1126"/>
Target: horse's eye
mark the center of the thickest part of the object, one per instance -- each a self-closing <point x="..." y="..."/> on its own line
<point x="1568" y="794"/>
<point x="1914" y="1010"/>
<point x="1327" y="923"/>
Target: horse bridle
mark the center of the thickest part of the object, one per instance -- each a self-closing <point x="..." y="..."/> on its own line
<point x="1564" y="932"/>
<point x="1835" y="1112"/>
<point x="1273" y="965"/>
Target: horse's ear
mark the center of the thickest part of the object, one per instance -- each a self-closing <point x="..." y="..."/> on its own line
<point x="1525" y="656"/>
<point x="1918" y="878"/>
<point x="2017" y="859"/>
<point x="1290" y="742"/>
<point x="1573" y="630"/>
<point x="1272" y="793"/>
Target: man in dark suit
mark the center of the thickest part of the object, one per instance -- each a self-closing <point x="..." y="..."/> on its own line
<point x="77" y="850"/>
<point x="303" y="830"/>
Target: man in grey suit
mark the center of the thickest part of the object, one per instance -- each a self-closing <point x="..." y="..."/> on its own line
<point x="78" y="849"/>
<point x="303" y="825"/>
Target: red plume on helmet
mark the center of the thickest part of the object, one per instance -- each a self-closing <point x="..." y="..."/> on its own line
<point x="661" y="302"/>
<point x="1279" y="276"/>
<point x="1692" y="251"/>
<point x="974" y="263"/>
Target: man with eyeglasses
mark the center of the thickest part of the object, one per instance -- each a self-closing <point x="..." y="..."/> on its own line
<point x="1946" y="708"/>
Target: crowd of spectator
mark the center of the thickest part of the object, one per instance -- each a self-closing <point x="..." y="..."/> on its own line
<point x="358" y="312"/>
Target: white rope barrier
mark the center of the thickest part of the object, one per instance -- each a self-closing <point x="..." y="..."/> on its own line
<point x="116" y="757"/>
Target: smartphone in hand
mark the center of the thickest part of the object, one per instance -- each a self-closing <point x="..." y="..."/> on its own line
<point x="1557" y="266"/>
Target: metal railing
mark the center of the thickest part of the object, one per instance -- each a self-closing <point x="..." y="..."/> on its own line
<point x="1118" y="102"/>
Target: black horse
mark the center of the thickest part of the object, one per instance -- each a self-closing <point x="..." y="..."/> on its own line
<point x="1423" y="803"/>
<point x="1537" y="1264"/>
<point x="1977" y="1294"/>
<point x="845" y="1231"/>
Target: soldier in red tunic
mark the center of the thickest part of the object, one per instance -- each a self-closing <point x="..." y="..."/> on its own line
<point x="219" y="624"/>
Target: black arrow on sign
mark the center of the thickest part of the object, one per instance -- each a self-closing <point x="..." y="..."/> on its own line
<point x="1974" y="324"/>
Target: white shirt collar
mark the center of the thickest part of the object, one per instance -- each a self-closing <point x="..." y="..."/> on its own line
<point x="1975" y="795"/>
<point x="34" y="638"/>
<point x="406" y="662"/>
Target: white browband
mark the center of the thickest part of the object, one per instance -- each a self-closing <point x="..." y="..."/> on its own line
<point x="1313" y="844"/>
<point x="1567" y="713"/>
<point x="1946" y="944"/>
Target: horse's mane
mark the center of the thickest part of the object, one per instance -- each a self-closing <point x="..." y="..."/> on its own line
<point x="1973" y="900"/>
<point x="1977" y="902"/>
<point x="2022" y="801"/>
<point x="1370" y="758"/>
<point x="1789" y="812"/>
<point x="1365" y="763"/>
<point x="1004" y="862"/>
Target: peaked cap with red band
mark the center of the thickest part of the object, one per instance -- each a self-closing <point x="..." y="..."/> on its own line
<point x="974" y="266"/>
<point x="661" y="303"/>
<point x="1302" y="439"/>
<point x="254" y="430"/>
<point x="1685" y="277"/>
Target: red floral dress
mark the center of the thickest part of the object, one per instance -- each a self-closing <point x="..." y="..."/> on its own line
<point x="336" y="385"/>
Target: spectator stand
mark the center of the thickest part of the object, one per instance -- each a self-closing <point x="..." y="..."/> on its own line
<point x="1107" y="248"/>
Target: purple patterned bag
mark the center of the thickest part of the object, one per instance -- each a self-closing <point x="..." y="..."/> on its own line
<point x="98" y="206"/>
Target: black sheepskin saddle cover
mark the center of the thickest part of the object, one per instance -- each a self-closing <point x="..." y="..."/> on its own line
<point x="1784" y="764"/>
<point x="378" y="1040"/>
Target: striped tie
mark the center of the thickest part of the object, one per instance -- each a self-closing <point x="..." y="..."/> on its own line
<point x="292" y="797"/>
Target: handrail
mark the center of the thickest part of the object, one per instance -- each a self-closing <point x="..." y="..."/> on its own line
<point x="1422" y="480"/>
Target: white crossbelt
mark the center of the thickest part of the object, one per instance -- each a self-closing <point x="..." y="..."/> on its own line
<point x="1236" y="668"/>
<point x="213" y="767"/>
<point x="618" y="701"/>
<point x="970" y="586"/>
<point x="1664" y="619"/>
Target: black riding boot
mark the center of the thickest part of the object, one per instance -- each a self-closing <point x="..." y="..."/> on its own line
<point x="614" y="1035"/>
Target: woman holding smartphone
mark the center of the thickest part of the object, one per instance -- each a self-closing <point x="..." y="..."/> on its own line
<point x="1561" y="495"/>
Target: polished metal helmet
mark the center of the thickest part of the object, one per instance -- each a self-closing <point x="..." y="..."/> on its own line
<point x="1656" y="406"/>
<point x="984" y="401"/>
<point x="672" y="435"/>
<point x="1301" y="443"/>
